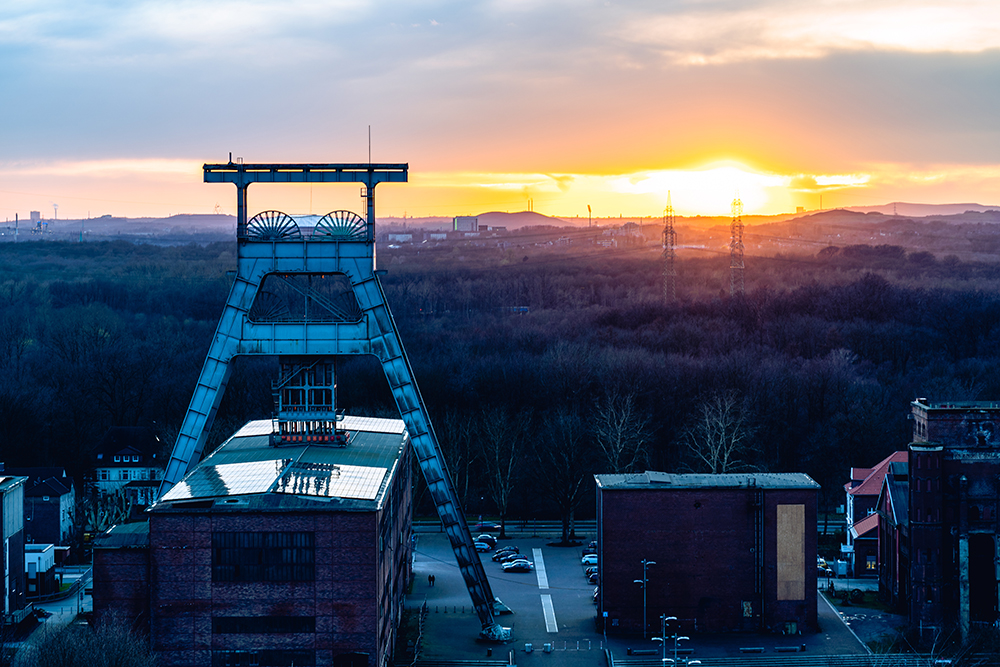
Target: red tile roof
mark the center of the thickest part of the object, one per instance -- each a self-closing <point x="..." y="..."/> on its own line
<point x="873" y="482"/>
<point x="869" y="523"/>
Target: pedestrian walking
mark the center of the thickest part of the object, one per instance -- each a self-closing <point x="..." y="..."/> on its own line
<point x="430" y="579"/>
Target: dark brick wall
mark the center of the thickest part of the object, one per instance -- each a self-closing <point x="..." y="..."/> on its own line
<point x="342" y="598"/>
<point x="703" y="542"/>
<point x="121" y="585"/>
<point x="941" y="511"/>
<point x="362" y="568"/>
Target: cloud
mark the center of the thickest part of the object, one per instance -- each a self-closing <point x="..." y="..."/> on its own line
<point x="813" y="183"/>
<point x="563" y="182"/>
<point x="715" y="33"/>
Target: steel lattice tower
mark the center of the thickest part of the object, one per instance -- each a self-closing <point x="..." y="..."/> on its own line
<point x="669" y="253"/>
<point x="272" y="248"/>
<point x="736" y="249"/>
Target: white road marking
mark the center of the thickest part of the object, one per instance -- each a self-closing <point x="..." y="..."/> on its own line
<point x="550" y="614"/>
<point x="543" y="578"/>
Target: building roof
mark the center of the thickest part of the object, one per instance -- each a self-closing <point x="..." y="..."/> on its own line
<point x="663" y="480"/>
<point x="43" y="481"/>
<point x="861" y="528"/>
<point x="39" y="488"/>
<point x="895" y="488"/>
<point x="124" y="535"/>
<point x="247" y="472"/>
<point x="129" y="440"/>
<point x="39" y="472"/>
<point x="8" y="483"/>
<point x="872" y="482"/>
<point x="956" y="405"/>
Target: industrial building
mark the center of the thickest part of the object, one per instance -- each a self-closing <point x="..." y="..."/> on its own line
<point x="272" y="553"/>
<point x="12" y="554"/>
<point x="465" y="223"/>
<point x="938" y="519"/>
<point x="720" y="553"/>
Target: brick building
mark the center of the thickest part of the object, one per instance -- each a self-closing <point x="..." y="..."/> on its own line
<point x="733" y="552"/>
<point x="948" y="554"/>
<point x="862" y="492"/>
<point x="273" y="555"/>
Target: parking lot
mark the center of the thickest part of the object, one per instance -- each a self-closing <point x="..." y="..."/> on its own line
<point x="553" y="605"/>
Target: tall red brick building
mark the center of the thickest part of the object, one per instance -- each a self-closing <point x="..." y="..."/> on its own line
<point x="944" y="534"/>
<point x="273" y="555"/>
<point x="732" y="552"/>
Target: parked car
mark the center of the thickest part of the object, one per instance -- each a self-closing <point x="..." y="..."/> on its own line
<point x="489" y="539"/>
<point x="593" y="578"/>
<point x="504" y="551"/>
<point x="597" y="593"/>
<point x="589" y="559"/>
<point x="512" y="556"/>
<point x="590" y="570"/>
<point x="591" y="548"/>
<point x="518" y="566"/>
<point x="482" y="546"/>
<point x="486" y="526"/>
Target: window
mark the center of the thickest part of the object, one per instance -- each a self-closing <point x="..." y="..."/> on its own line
<point x="104" y="475"/>
<point x="135" y="459"/>
<point x="118" y="459"/>
<point x="263" y="556"/>
<point x="870" y="563"/>
<point x="258" y="625"/>
<point x="125" y="475"/>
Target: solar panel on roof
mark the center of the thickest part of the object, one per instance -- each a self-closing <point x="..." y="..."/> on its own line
<point x="331" y="481"/>
<point x="256" y="427"/>
<point x="228" y="479"/>
<point x="373" y="424"/>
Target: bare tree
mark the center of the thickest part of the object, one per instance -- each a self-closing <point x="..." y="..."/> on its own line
<point x="501" y="436"/>
<point x="565" y="461"/>
<point x="113" y="643"/>
<point x="622" y="431"/>
<point x="100" y="511"/>
<point x="721" y="439"/>
<point x="456" y="444"/>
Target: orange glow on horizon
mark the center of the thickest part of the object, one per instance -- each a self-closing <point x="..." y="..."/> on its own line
<point x="159" y="188"/>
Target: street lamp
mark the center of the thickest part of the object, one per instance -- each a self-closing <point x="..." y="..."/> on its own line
<point x="677" y="639"/>
<point x="642" y="582"/>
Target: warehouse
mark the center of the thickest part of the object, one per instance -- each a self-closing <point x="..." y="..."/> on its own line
<point x="718" y="552"/>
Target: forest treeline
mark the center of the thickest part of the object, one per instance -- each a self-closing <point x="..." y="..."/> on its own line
<point x="538" y="368"/>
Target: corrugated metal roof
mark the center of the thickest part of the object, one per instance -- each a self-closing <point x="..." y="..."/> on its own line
<point x="248" y="465"/>
<point x="653" y="479"/>
<point x="124" y="535"/>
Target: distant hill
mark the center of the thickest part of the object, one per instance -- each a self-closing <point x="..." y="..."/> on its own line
<point x="922" y="210"/>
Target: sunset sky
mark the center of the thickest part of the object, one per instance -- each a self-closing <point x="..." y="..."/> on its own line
<point x="112" y="106"/>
